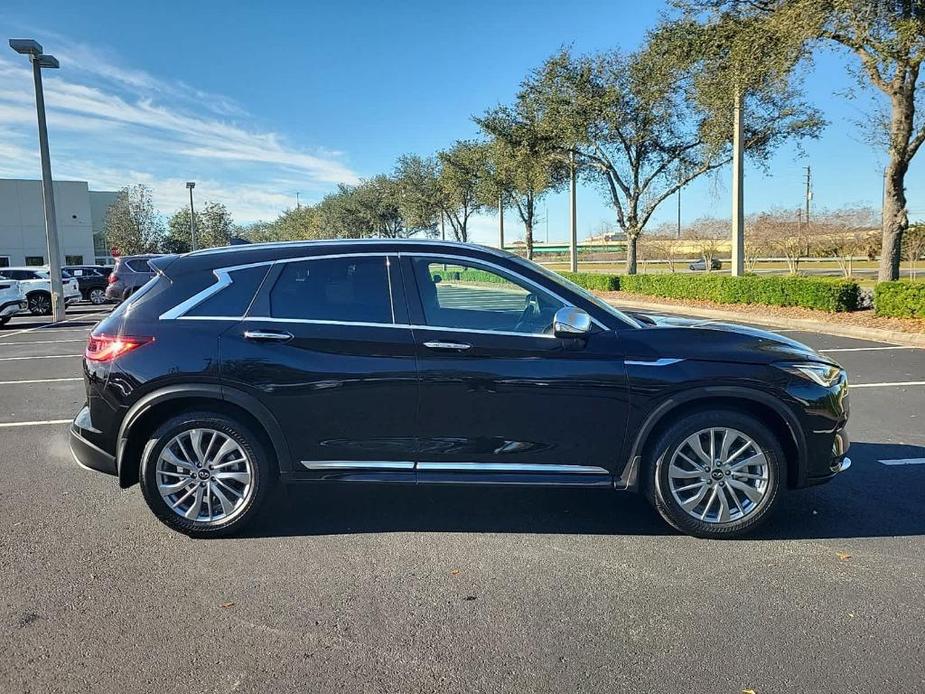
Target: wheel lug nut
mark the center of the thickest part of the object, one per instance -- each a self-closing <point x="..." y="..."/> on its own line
<point x="198" y="464"/>
<point x="202" y="484"/>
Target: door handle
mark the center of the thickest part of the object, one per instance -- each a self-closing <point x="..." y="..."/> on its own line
<point x="440" y="344"/>
<point x="267" y="335"/>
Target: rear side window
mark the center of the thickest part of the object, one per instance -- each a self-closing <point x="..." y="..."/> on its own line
<point x="139" y="265"/>
<point x="354" y="289"/>
<point x="234" y="299"/>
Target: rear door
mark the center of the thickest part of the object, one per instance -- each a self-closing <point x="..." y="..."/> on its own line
<point x="327" y="348"/>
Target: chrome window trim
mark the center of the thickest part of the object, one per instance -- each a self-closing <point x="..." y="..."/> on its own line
<point x="512" y="467"/>
<point x="335" y="242"/>
<point x="358" y="464"/>
<point x="664" y="361"/>
<point x="223" y="280"/>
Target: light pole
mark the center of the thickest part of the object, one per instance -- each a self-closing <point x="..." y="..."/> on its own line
<point x="192" y="216"/>
<point x="39" y="60"/>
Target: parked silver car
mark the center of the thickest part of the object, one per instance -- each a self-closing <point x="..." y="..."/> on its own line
<point x="128" y="275"/>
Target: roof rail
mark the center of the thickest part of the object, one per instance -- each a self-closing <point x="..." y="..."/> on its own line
<point x="334" y="242"/>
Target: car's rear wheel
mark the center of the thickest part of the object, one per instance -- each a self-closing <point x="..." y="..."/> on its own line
<point x="97" y="296"/>
<point x="4" y="320"/>
<point x="205" y="474"/>
<point x="39" y="303"/>
<point x="716" y="474"/>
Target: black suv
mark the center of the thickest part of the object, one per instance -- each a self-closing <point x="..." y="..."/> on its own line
<point x="92" y="280"/>
<point x="427" y="362"/>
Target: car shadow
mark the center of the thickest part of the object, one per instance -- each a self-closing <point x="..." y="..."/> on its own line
<point x="869" y="500"/>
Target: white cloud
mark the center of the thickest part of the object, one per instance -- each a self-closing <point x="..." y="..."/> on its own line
<point x="113" y="125"/>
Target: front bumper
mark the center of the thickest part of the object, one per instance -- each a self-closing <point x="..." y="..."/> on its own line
<point x="87" y="454"/>
<point x="839" y="461"/>
<point x="11" y="308"/>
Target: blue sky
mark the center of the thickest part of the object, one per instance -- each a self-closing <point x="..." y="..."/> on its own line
<point x="258" y="101"/>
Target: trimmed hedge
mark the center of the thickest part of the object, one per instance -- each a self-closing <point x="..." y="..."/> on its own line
<point x="832" y="295"/>
<point x="596" y="281"/>
<point x="901" y="299"/>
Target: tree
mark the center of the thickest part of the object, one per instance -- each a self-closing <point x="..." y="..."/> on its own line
<point x="843" y="235"/>
<point x="457" y="185"/>
<point x="521" y="165"/>
<point x="642" y="126"/>
<point x="914" y="246"/>
<point x="709" y="236"/>
<point x="261" y="232"/>
<point x="214" y="227"/>
<point x="416" y="178"/>
<point x="887" y="37"/>
<point x="133" y="224"/>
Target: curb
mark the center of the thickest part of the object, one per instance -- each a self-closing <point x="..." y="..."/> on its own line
<point x="862" y="333"/>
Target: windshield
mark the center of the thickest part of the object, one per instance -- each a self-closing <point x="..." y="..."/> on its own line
<point x="594" y="299"/>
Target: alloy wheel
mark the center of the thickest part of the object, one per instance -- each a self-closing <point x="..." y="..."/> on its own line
<point x="204" y="475"/>
<point x="40" y="304"/>
<point x="97" y="296"/>
<point x="718" y="475"/>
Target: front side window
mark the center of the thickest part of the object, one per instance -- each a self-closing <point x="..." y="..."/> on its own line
<point x="349" y="289"/>
<point x="463" y="296"/>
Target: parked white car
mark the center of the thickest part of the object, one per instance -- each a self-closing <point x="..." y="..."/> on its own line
<point x="36" y="284"/>
<point x="12" y="299"/>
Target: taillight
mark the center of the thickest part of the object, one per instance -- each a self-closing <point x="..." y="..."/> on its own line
<point x="112" y="278"/>
<point x="108" y="347"/>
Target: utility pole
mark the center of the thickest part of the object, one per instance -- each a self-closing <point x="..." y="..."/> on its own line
<point x="738" y="197"/>
<point x="298" y="203"/>
<point x="809" y="191"/>
<point x="573" y="216"/>
<point x="442" y="228"/>
<point x="679" y="200"/>
<point x="192" y="216"/>
<point x="501" y="220"/>
<point x="39" y="60"/>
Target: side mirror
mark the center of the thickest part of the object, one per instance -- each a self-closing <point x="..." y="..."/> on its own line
<point x="571" y="321"/>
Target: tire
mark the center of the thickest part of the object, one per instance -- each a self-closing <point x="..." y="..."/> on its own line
<point x="4" y="320"/>
<point x="192" y="477"/>
<point x="97" y="296"/>
<point x="676" y="474"/>
<point x="39" y="303"/>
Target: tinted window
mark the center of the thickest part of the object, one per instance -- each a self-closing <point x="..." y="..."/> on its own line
<point x="234" y="299"/>
<point x="455" y="295"/>
<point x="343" y="289"/>
<point x="139" y="265"/>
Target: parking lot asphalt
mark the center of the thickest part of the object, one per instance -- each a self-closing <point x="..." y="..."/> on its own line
<point x="457" y="589"/>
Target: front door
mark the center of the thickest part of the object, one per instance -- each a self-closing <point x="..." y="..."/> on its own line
<point x="327" y="348"/>
<point x="502" y="398"/>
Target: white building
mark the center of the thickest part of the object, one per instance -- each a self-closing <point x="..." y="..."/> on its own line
<point x="81" y="221"/>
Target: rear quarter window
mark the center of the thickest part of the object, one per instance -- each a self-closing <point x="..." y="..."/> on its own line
<point x="139" y="265"/>
<point x="234" y="299"/>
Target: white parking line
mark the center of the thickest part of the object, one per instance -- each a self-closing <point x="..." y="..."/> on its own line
<point x="42" y="342"/>
<point x="886" y="385"/>
<point x="904" y="461"/>
<point x="41" y="380"/>
<point x="6" y="425"/>
<point x="43" y="356"/>
<point x="83" y="316"/>
<point x="865" y="349"/>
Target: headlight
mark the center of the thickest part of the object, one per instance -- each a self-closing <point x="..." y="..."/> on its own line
<point x="825" y="375"/>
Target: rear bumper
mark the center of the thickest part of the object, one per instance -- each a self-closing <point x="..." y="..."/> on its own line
<point x="87" y="454"/>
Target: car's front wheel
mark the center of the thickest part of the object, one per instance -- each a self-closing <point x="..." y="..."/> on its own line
<point x="205" y="474"/>
<point x="716" y="474"/>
